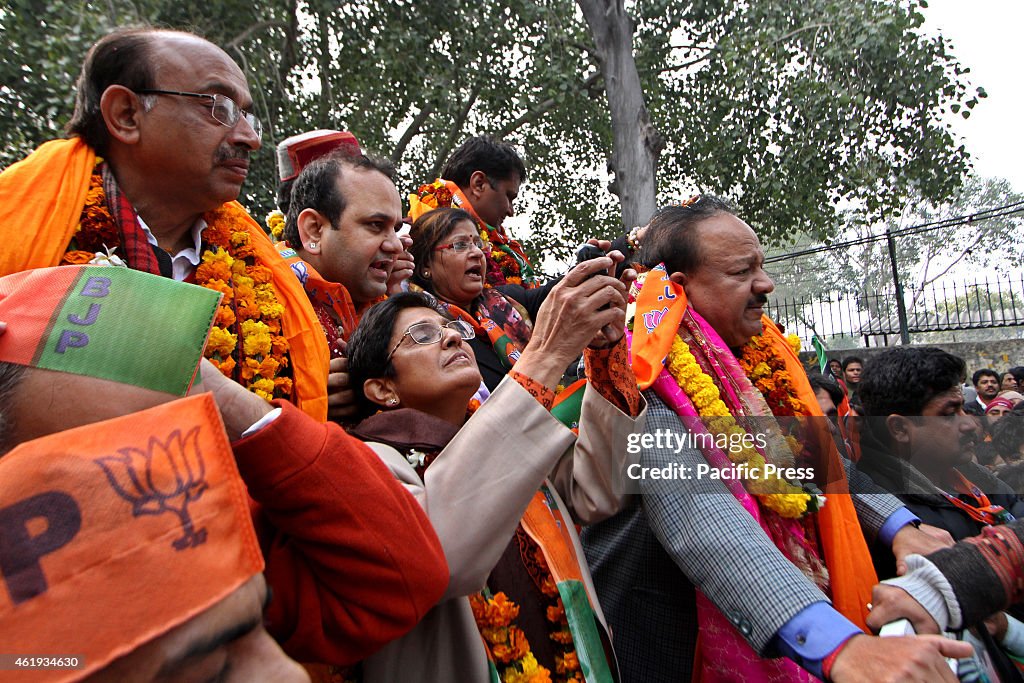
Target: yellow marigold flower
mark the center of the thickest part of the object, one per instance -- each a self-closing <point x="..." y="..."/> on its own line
<point x="792" y="506"/>
<point x="266" y="386"/>
<point x="255" y="338"/>
<point x="794" y="342"/>
<point x="218" y="255"/>
<point x="221" y="342"/>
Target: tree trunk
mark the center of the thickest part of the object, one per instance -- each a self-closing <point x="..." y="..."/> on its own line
<point x="636" y="142"/>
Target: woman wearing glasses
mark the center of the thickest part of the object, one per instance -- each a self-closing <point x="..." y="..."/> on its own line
<point x="505" y="487"/>
<point x="450" y="265"/>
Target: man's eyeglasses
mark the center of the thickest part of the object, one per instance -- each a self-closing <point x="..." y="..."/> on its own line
<point x="431" y="333"/>
<point x="462" y="244"/>
<point x="224" y="109"/>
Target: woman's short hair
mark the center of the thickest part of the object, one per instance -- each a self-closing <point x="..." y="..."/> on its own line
<point x="427" y="232"/>
<point x="370" y="344"/>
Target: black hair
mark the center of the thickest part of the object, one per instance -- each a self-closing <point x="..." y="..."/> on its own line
<point x="901" y="381"/>
<point x="985" y="372"/>
<point x="1017" y="372"/>
<point x="317" y="188"/>
<point x="671" y="237"/>
<point x="852" y="359"/>
<point x="370" y="344"/>
<point x="10" y="376"/>
<point x="427" y="232"/>
<point x="834" y="391"/>
<point x="1008" y="435"/>
<point x="498" y="160"/>
<point x="122" y="57"/>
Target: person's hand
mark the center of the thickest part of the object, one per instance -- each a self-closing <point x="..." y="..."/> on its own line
<point x="611" y="334"/>
<point x="922" y="540"/>
<point x="586" y="306"/>
<point x="239" y="407"/>
<point x="402" y="267"/>
<point x="905" y="659"/>
<point x="889" y="603"/>
<point x="341" y="400"/>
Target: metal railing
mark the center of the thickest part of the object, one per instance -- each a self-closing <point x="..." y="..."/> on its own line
<point x="872" y="318"/>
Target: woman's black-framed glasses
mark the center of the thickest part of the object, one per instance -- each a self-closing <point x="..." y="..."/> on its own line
<point x="431" y="333"/>
<point x="224" y="110"/>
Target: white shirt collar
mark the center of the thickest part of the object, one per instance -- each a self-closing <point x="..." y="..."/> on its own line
<point x="185" y="261"/>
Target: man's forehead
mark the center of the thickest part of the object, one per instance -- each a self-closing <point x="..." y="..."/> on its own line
<point x="950" y="397"/>
<point x="192" y="62"/>
<point x="370" y="193"/>
<point x="725" y="238"/>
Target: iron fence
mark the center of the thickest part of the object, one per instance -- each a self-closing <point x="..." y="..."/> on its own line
<point x="871" y="318"/>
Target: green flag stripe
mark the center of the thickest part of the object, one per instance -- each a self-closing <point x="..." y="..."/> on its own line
<point x="583" y="626"/>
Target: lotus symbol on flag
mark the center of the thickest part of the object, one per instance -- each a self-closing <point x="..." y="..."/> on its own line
<point x="165" y="477"/>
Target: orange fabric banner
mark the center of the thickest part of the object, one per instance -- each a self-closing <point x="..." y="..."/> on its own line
<point x="41" y="199"/>
<point x="113" y="533"/>
<point x="660" y="306"/>
<point x="846" y="553"/>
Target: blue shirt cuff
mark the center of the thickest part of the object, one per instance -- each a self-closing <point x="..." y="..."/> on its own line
<point x="813" y="634"/>
<point x="896" y="521"/>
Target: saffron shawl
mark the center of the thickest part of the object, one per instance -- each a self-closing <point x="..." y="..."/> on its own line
<point x="41" y="199"/>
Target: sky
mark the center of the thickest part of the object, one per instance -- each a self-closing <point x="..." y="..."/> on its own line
<point x="986" y="37"/>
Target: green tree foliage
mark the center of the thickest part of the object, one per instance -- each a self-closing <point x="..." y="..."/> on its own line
<point x="786" y="107"/>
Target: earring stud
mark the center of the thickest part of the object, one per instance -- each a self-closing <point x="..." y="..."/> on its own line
<point x="312" y="245"/>
<point x="392" y="401"/>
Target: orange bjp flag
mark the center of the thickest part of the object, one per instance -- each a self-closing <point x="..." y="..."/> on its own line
<point x="113" y="533"/>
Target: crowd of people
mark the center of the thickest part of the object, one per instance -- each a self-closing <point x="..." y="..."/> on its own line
<point x="365" y="444"/>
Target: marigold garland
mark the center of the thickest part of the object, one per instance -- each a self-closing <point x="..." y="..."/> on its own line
<point x="567" y="663"/>
<point x="247" y="329"/>
<point x="275" y="223"/>
<point x="774" y="492"/>
<point x="768" y="374"/>
<point x="507" y="643"/>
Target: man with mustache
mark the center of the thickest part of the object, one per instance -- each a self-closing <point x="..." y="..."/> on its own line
<point x="776" y="587"/>
<point x="160" y="142"/>
<point x="917" y="442"/>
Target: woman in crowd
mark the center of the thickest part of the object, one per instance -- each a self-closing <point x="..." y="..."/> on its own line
<point x="504" y="488"/>
<point x="449" y="257"/>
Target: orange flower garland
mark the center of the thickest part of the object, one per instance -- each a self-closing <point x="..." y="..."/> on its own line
<point x="507" y="643"/>
<point x="768" y="373"/>
<point x="246" y="336"/>
<point x="247" y="332"/>
<point x="567" y="664"/>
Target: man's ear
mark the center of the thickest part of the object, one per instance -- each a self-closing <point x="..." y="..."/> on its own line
<point x="311" y="225"/>
<point x="478" y="183"/>
<point x="381" y="390"/>
<point x="122" y="112"/>
<point x="899" y="428"/>
<point x="678" y="278"/>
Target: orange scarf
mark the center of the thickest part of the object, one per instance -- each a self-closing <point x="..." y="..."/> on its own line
<point x="41" y="199"/>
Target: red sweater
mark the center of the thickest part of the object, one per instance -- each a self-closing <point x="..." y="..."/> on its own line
<point x="351" y="557"/>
